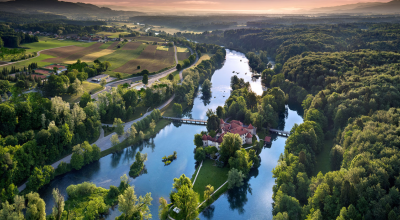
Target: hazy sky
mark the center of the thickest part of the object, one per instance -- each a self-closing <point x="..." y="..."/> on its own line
<point x="272" y="6"/>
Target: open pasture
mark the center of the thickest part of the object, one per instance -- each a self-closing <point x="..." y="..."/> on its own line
<point x="151" y="59"/>
<point x="47" y="43"/>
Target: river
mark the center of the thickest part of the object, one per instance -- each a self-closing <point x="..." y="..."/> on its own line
<point x="252" y="201"/>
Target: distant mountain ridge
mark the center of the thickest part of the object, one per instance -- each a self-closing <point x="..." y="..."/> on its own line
<point x="68" y="9"/>
<point x="392" y="7"/>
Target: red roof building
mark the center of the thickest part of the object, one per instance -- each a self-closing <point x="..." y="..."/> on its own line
<point x="267" y="139"/>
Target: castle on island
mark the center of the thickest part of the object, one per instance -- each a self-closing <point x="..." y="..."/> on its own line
<point x="235" y="127"/>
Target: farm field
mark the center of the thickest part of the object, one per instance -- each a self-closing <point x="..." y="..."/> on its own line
<point x="131" y="46"/>
<point x="146" y="39"/>
<point x="182" y="49"/>
<point x="93" y="56"/>
<point x="183" y="55"/>
<point x="205" y="56"/>
<point x="165" y="48"/>
<point x="151" y="59"/>
<point x="111" y="34"/>
<point x="70" y="55"/>
<point x="121" y="56"/>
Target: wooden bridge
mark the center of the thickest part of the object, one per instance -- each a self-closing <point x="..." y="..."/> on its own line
<point x="280" y="133"/>
<point x="188" y="120"/>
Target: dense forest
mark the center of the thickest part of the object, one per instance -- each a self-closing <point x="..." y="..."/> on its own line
<point x="346" y="78"/>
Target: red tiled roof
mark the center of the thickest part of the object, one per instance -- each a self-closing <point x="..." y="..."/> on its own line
<point x="204" y="138"/>
<point x="249" y="135"/>
<point x="250" y="126"/>
<point x="42" y="71"/>
<point x="239" y="130"/>
<point x="267" y="139"/>
<point x="222" y="121"/>
<point x="52" y="66"/>
<point x="39" y="76"/>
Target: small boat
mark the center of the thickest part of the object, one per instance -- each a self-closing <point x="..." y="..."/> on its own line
<point x="233" y="72"/>
<point x="223" y="96"/>
<point x="245" y="74"/>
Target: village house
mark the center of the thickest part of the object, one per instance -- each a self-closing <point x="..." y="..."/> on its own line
<point x="235" y="127"/>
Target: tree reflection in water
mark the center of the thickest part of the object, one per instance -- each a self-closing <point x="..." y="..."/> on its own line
<point x="209" y="212"/>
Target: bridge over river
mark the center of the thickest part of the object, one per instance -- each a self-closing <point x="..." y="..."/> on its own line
<point x="204" y="122"/>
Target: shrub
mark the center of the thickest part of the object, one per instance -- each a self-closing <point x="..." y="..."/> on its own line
<point x="81" y="190"/>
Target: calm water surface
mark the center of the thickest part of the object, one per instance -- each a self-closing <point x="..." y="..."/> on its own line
<point x="252" y="201"/>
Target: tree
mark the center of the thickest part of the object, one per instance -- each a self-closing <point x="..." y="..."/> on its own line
<point x="198" y="140"/>
<point x="235" y="178"/>
<point x="85" y="99"/>
<point x="187" y="201"/>
<point x="114" y="140"/>
<point x="200" y="154"/>
<point x="36" y="207"/>
<point x="213" y="123"/>
<point x="58" y="204"/>
<point x="131" y="134"/>
<point x="220" y="112"/>
<point x="118" y="75"/>
<point x="138" y="67"/>
<point x="107" y="64"/>
<point x="230" y="144"/>
<point x="241" y="161"/>
<point x="171" y="77"/>
<point x="177" y="109"/>
<point x="178" y="66"/>
<point x="206" y="88"/>
<point x="163" y="209"/>
<point x="119" y="126"/>
<point x="208" y="191"/>
<point x="152" y="126"/>
<point x="336" y="157"/>
<point x="138" y="165"/>
<point x="145" y="79"/>
<point x="182" y="180"/>
<point x="77" y="158"/>
<point x="133" y="207"/>
<point x="103" y="82"/>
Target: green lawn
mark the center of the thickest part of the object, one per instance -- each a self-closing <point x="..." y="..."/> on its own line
<point x="87" y="87"/>
<point x="210" y="174"/>
<point x="47" y="43"/>
<point x="323" y="158"/>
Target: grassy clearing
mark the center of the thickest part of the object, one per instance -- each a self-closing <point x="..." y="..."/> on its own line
<point x="87" y="87"/>
<point x="182" y="49"/>
<point x="205" y="56"/>
<point x="323" y="158"/>
<point x="93" y="56"/>
<point x="209" y="174"/>
<point x="48" y="43"/>
<point x="160" y="125"/>
<point x="165" y="48"/>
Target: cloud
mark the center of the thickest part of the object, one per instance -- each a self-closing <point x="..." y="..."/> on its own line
<point x="197" y="2"/>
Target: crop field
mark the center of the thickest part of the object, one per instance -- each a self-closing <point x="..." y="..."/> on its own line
<point x="111" y="34"/>
<point x="65" y="54"/>
<point x="165" y="48"/>
<point x="182" y="49"/>
<point x="147" y="38"/>
<point x="121" y="57"/>
<point x="131" y="46"/>
<point x="93" y="56"/>
<point x="183" y="55"/>
<point x="151" y="59"/>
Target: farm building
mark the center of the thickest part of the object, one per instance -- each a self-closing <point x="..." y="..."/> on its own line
<point x="60" y="68"/>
